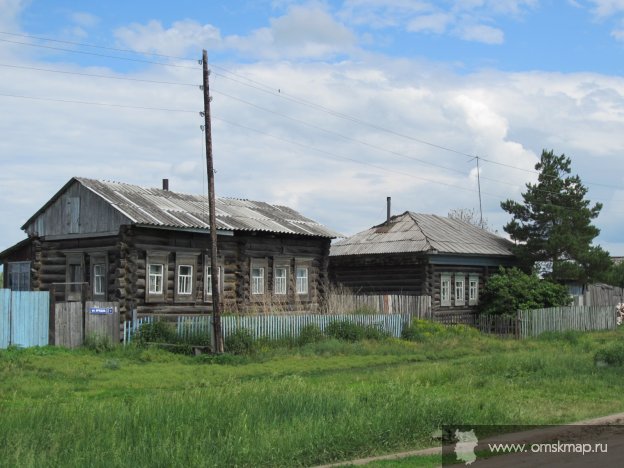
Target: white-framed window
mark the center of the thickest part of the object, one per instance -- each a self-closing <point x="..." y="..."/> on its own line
<point x="185" y="279"/>
<point x="473" y="290"/>
<point x="445" y="290"/>
<point x="99" y="279"/>
<point x="208" y="280"/>
<point x="460" y="290"/>
<point x="18" y="276"/>
<point x="280" y="280"/>
<point x="257" y="280"/>
<point x="302" y="280"/>
<point x="156" y="273"/>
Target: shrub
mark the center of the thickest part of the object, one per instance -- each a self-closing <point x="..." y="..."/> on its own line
<point x="510" y="290"/>
<point x="420" y="330"/>
<point x="240" y="342"/>
<point x="350" y="331"/>
<point x="156" y="332"/>
<point x="344" y="330"/>
<point x="98" y="343"/>
<point x="310" y="333"/>
<point x="612" y="354"/>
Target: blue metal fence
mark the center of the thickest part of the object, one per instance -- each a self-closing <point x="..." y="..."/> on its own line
<point x="24" y="318"/>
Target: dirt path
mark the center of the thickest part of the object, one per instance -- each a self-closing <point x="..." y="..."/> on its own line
<point x="517" y="460"/>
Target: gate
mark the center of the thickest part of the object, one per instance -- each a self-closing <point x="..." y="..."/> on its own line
<point x="24" y="318"/>
<point x="74" y="321"/>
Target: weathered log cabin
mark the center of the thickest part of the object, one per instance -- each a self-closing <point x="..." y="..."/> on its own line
<point x="420" y="254"/>
<point x="149" y="249"/>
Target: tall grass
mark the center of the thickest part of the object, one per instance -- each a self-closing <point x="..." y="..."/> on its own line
<point x="325" y="401"/>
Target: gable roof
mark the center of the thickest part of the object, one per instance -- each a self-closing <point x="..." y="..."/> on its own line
<point x="164" y="208"/>
<point x="414" y="232"/>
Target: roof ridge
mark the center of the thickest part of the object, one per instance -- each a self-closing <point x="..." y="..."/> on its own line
<point x="427" y="238"/>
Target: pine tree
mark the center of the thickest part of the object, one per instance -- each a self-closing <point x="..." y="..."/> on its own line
<point x="553" y="229"/>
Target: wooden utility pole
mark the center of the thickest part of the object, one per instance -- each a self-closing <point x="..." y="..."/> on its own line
<point x="214" y="268"/>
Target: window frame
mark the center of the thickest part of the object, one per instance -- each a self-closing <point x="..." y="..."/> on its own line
<point x="473" y="299"/>
<point x="156" y="258"/>
<point x="303" y="263"/>
<point x="23" y="276"/>
<point x="460" y="299"/>
<point x="208" y="284"/>
<point x="99" y="259"/>
<point x="73" y="286"/>
<point x="184" y="283"/>
<point x="281" y="263"/>
<point x="445" y="299"/>
<point x="306" y="290"/>
<point x="263" y="265"/>
<point x="185" y="260"/>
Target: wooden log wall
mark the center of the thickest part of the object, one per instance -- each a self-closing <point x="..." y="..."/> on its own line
<point x="235" y="255"/>
<point x="381" y="274"/>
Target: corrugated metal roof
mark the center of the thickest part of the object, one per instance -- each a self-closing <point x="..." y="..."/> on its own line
<point x="155" y="207"/>
<point x="414" y="232"/>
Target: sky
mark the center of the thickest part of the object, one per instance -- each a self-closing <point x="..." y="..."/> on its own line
<point x="327" y="107"/>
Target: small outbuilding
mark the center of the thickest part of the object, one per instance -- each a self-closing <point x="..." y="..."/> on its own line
<point x="421" y="254"/>
<point x="149" y="249"/>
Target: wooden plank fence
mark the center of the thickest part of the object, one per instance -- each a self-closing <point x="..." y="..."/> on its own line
<point x="74" y="321"/>
<point x="68" y="324"/>
<point x="557" y="319"/>
<point x="417" y="306"/>
<point x="531" y="323"/>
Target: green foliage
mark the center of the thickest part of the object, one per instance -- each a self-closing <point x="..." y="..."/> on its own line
<point x="553" y="228"/>
<point x="611" y="354"/>
<point x="156" y="332"/>
<point x="423" y="330"/>
<point x="510" y="290"/>
<point x="614" y="275"/>
<point x="240" y="342"/>
<point x="350" y="331"/>
<point x="310" y="333"/>
<point x="98" y="343"/>
<point x="1" y="279"/>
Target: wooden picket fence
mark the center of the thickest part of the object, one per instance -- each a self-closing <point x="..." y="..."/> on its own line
<point x="532" y="323"/>
<point x="558" y="319"/>
<point x="269" y="326"/>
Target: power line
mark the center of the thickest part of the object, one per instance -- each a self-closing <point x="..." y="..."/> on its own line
<point x="338" y="134"/>
<point x="84" y="44"/>
<point x="116" y="57"/>
<point x="259" y="86"/>
<point x="93" y="75"/>
<point x="106" y="104"/>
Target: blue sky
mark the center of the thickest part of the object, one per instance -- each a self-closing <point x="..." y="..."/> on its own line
<point x="327" y="107"/>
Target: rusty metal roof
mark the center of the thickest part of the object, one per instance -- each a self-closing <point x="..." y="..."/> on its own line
<point x="164" y="208"/>
<point x="414" y="232"/>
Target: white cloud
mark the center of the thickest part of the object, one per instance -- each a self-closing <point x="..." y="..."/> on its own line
<point x="176" y="40"/>
<point x="605" y="8"/>
<point x="505" y="118"/>
<point x="307" y="31"/>
<point x="481" y="33"/>
<point x="84" y="19"/>
<point x="435" y="23"/>
<point x="11" y="10"/>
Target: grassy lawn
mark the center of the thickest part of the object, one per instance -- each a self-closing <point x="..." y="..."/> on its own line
<point x="323" y="402"/>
